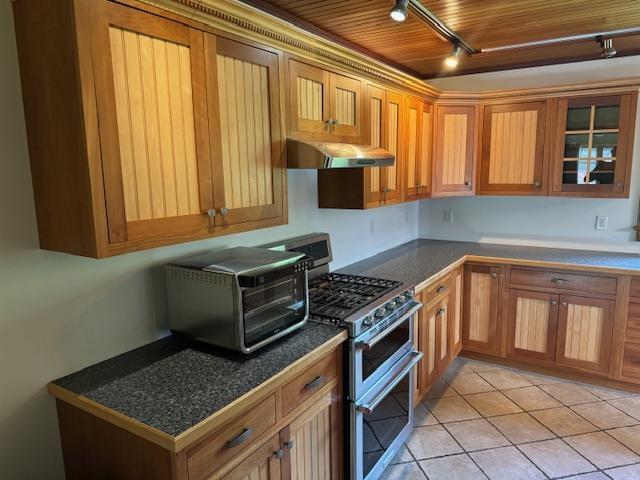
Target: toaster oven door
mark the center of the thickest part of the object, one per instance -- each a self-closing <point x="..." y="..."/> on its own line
<point x="274" y="308"/>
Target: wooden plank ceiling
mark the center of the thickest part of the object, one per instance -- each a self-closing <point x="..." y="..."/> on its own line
<point x="412" y="46"/>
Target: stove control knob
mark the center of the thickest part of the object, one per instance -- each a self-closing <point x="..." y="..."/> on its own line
<point x="368" y="321"/>
<point x="408" y="295"/>
<point x="380" y="312"/>
<point x="400" y="299"/>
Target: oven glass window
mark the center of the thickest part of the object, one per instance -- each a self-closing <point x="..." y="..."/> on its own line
<point x="385" y="348"/>
<point x="271" y="308"/>
<point x="383" y="425"/>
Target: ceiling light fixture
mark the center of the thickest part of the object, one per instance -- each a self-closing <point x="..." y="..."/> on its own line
<point x="399" y="12"/>
<point x="607" y="48"/>
<point x="453" y="58"/>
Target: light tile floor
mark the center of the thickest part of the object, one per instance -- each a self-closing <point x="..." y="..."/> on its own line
<point x="487" y="422"/>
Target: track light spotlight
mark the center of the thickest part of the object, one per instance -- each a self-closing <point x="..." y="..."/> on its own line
<point x="399" y="11"/>
<point x="607" y="48"/>
<point x="454" y="57"/>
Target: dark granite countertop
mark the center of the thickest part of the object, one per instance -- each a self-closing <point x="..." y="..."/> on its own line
<point x="416" y="261"/>
<point x="173" y="384"/>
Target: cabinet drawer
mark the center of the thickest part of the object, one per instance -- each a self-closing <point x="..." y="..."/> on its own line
<point x="436" y="290"/>
<point x="564" y="281"/>
<point x="631" y="360"/>
<point x="309" y="382"/>
<point x="635" y="288"/>
<point x="219" y="447"/>
<point x="633" y="322"/>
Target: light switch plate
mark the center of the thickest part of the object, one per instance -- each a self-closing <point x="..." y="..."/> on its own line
<point x="447" y="215"/>
<point x="602" y="223"/>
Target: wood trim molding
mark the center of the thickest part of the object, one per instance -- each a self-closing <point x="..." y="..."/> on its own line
<point x="589" y="88"/>
<point x="249" y="22"/>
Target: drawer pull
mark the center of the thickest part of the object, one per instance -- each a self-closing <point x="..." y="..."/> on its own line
<point x="244" y="435"/>
<point x="560" y="280"/>
<point x="564" y="304"/>
<point x="441" y="289"/>
<point x="494" y="275"/>
<point x="315" y="383"/>
<point x="554" y="302"/>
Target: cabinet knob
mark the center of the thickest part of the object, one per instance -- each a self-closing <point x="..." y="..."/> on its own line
<point x="467" y="183"/>
<point x="564" y="304"/>
<point x="278" y="453"/>
<point x="554" y="302"/>
<point x="537" y="184"/>
<point x="288" y="445"/>
<point x="211" y="212"/>
<point x="494" y="275"/>
<point x="441" y="311"/>
<point x="224" y="211"/>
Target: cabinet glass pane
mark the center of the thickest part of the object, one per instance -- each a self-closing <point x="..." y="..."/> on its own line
<point x="578" y="118"/>
<point x="606" y="117"/>
<point x="576" y="146"/>
<point x="602" y="172"/>
<point x="604" y="145"/>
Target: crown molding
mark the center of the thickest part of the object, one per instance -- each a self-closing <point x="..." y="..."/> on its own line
<point x="246" y="21"/>
<point x="589" y="88"/>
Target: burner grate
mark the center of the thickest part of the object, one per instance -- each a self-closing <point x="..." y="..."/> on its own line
<point x="336" y="296"/>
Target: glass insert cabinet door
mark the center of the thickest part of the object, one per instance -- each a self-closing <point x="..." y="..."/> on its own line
<point x="593" y="149"/>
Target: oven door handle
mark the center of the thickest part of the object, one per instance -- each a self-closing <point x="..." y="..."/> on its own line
<point x="367" y="408"/>
<point x="370" y="344"/>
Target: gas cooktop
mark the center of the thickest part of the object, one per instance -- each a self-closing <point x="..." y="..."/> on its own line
<point x="336" y="297"/>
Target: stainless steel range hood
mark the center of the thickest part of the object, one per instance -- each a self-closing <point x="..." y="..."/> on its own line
<point x="314" y="155"/>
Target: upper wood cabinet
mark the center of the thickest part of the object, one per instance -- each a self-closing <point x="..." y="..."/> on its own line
<point x="593" y="146"/>
<point x="246" y="132"/>
<point x="454" y="150"/>
<point x="170" y="133"/>
<point x="418" y="148"/>
<point x="513" y="149"/>
<point x="324" y="105"/>
<point x="369" y="187"/>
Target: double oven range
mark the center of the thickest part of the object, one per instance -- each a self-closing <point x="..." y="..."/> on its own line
<point x="378" y="314"/>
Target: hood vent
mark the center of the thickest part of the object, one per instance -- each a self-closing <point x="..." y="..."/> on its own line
<point x="315" y="155"/>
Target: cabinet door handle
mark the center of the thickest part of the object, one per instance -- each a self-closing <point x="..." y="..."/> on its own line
<point x="441" y="311"/>
<point x="441" y="289"/>
<point x="224" y="211"/>
<point x="564" y="304"/>
<point x="288" y="445"/>
<point x="494" y="275"/>
<point x="560" y="280"/>
<point x="278" y="453"/>
<point x="315" y="383"/>
<point x="537" y="184"/>
<point x="554" y="302"/>
<point x="240" y="439"/>
<point x="467" y="183"/>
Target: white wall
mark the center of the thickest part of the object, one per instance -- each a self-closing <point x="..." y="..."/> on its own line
<point x="544" y="221"/>
<point x="60" y="313"/>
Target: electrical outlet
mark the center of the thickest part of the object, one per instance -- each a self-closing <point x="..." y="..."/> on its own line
<point x="372" y="227"/>
<point x="602" y="223"/>
<point x="447" y="215"/>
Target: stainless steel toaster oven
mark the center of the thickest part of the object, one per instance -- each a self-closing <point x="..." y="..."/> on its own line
<point x="240" y="298"/>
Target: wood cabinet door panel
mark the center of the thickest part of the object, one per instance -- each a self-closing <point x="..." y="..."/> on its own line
<point x="454" y="154"/>
<point x="308" y="98"/>
<point x="456" y="323"/>
<point x="428" y="343"/>
<point x="480" y="320"/>
<point x="150" y="90"/>
<point x="425" y="151"/>
<point x="315" y="436"/>
<point x="346" y="107"/>
<point x="513" y="148"/>
<point x="263" y="464"/>
<point x="443" y="332"/>
<point x="532" y="325"/>
<point x="394" y="142"/>
<point x="584" y="332"/>
<point x="247" y="137"/>
<point x="413" y="129"/>
<point x="375" y="135"/>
